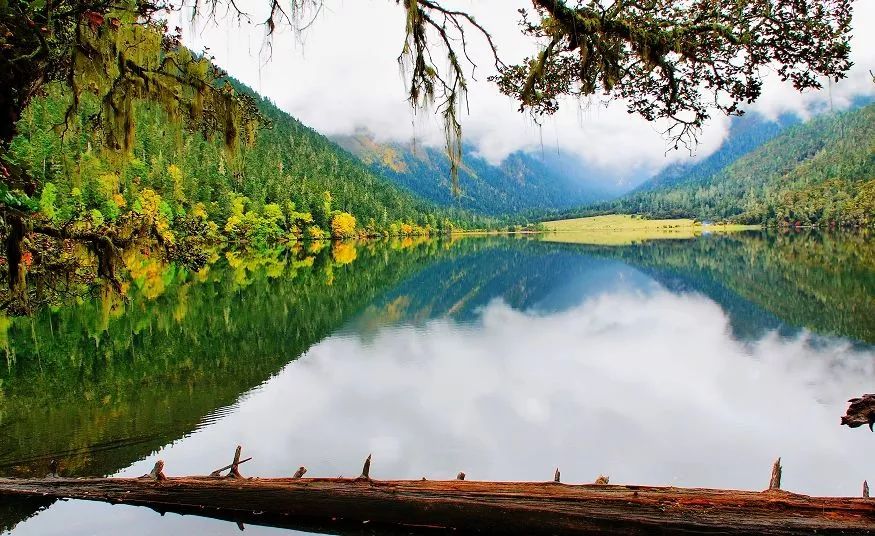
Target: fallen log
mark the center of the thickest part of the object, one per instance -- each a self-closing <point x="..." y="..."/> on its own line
<point x="470" y="506"/>
<point x="861" y="411"/>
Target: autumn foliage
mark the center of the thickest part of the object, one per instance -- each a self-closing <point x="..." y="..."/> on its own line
<point x="343" y="225"/>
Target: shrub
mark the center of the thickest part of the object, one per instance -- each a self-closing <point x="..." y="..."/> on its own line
<point x="343" y="225"/>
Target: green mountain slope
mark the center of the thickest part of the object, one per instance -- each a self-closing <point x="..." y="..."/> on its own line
<point x="522" y="182"/>
<point x="746" y="133"/>
<point x="289" y="178"/>
<point x="821" y="172"/>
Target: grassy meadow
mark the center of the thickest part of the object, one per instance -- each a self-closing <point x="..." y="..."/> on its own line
<point x="623" y="229"/>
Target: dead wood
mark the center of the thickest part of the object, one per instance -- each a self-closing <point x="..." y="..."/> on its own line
<point x="468" y="506"/>
<point x="366" y="469"/>
<point x="861" y="411"/>
<point x="775" y="480"/>
<point x="157" y="472"/>
<point x="234" y="466"/>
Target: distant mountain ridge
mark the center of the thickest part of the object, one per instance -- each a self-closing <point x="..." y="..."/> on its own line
<point x="523" y="182"/>
<point x="821" y="171"/>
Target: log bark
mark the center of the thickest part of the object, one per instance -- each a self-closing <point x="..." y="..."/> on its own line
<point x="218" y="472"/>
<point x="366" y="469"/>
<point x="157" y="472"/>
<point x="775" y="480"/>
<point x="861" y="411"/>
<point x="235" y="465"/>
<point x="469" y="506"/>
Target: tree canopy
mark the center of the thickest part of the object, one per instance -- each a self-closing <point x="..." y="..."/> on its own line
<point x="668" y="60"/>
<point x="678" y="60"/>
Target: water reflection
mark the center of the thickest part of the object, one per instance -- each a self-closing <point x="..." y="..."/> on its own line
<point x="649" y="389"/>
<point x="502" y="359"/>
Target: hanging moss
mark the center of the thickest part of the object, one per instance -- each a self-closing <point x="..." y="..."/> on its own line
<point x="122" y="61"/>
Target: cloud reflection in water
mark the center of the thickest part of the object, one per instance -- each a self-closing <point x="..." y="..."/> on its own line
<point x="647" y="388"/>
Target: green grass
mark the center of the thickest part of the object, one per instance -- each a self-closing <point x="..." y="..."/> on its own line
<point x="623" y="229"/>
<point x="615" y="222"/>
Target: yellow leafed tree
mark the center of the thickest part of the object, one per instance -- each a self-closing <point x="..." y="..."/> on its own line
<point x="343" y="225"/>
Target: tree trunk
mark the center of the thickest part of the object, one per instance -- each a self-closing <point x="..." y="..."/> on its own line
<point x="15" y="94"/>
<point x="24" y="73"/>
<point x="546" y="508"/>
<point x="14" y="256"/>
<point x="22" y="80"/>
<point x="106" y="253"/>
<point x="10" y="113"/>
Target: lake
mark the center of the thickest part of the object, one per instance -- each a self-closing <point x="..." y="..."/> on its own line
<point x="672" y="362"/>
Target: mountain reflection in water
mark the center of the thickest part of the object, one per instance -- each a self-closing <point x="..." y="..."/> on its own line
<point x="500" y="358"/>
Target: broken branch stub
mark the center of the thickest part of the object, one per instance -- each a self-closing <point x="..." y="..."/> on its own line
<point x="775" y="481"/>
<point x="861" y="411"/>
<point x="865" y="489"/>
<point x="366" y="469"/>
<point x="218" y="472"/>
<point x="157" y="472"/>
<point x="233" y="466"/>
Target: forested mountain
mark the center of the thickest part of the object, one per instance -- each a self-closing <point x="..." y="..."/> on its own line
<point x="819" y="172"/>
<point x="289" y="180"/>
<point x="522" y="182"/>
<point x="746" y="133"/>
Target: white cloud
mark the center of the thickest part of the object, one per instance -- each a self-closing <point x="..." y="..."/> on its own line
<point x="780" y="97"/>
<point x="648" y="389"/>
<point x="344" y="75"/>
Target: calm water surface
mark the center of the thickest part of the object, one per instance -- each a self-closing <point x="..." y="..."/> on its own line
<point x="683" y="362"/>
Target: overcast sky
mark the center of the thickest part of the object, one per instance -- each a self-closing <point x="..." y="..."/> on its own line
<point x="342" y="74"/>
